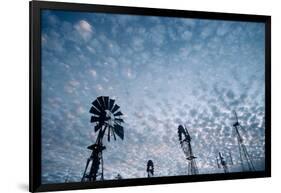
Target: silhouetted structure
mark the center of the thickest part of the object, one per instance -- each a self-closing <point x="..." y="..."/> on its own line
<point x="67" y="177"/>
<point x="150" y="169"/>
<point x="118" y="177"/>
<point x="185" y="140"/>
<point x="106" y="117"/>
<point x="244" y="155"/>
<point x="223" y="162"/>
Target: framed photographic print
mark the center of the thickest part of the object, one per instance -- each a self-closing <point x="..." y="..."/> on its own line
<point x="125" y="96"/>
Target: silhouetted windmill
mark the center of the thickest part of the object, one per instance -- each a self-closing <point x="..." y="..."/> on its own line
<point x="150" y="169"/>
<point x="244" y="155"/>
<point x="223" y="161"/>
<point x="185" y="140"/>
<point x="66" y="180"/>
<point x="118" y="177"/>
<point x="106" y="117"/>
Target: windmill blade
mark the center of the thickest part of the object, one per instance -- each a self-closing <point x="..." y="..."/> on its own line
<point x="106" y="99"/>
<point x="119" y="113"/>
<point x="101" y="133"/>
<point x="114" y="136"/>
<point x="119" y="120"/>
<point x="115" y="108"/>
<point x="186" y="134"/>
<point x="101" y="102"/>
<point x="181" y="132"/>
<point x="97" y="127"/>
<point x="186" y="131"/>
<point x="108" y="135"/>
<point x="111" y="103"/>
<point x="118" y="129"/>
<point x="94" y="111"/>
<point x="97" y="105"/>
<point x="94" y="119"/>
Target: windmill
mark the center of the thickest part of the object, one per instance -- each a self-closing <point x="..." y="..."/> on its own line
<point x="107" y="119"/>
<point x="150" y="169"/>
<point x="66" y="180"/>
<point x="185" y="140"/>
<point x="118" y="177"/>
<point x="244" y="155"/>
<point x="223" y="161"/>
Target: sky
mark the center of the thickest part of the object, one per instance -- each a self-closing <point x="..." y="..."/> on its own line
<point x="162" y="72"/>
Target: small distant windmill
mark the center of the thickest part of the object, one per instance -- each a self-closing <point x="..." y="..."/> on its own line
<point x="185" y="140"/>
<point x="106" y="117"/>
<point x="223" y="161"/>
<point x="244" y="155"/>
<point x="66" y="180"/>
<point x="150" y="169"/>
<point x="118" y="177"/>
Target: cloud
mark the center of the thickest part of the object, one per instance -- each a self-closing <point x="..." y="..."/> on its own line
<point x="53" y="41"/>
<point x="137" y="44"/>
<point x="84" y="29"/>
<point x="157" y="35"/>
<point x="159" y="80"/>
<point x="223" y="29"/>
<point x="187" y="35"/>
<point x="93" y="73"/>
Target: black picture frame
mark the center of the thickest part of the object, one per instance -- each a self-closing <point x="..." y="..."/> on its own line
<point x="35" y="95"/>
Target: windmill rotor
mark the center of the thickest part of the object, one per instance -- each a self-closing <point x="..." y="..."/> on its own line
<point x="237" y="123"/>
<point x="106" y="115"/>
<point x="237" y="126"/>
<point x="183" y="133"/>
<point x="185" y="142"/>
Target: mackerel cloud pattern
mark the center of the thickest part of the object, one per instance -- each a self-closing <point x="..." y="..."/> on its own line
<point x="162" y="72"/>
